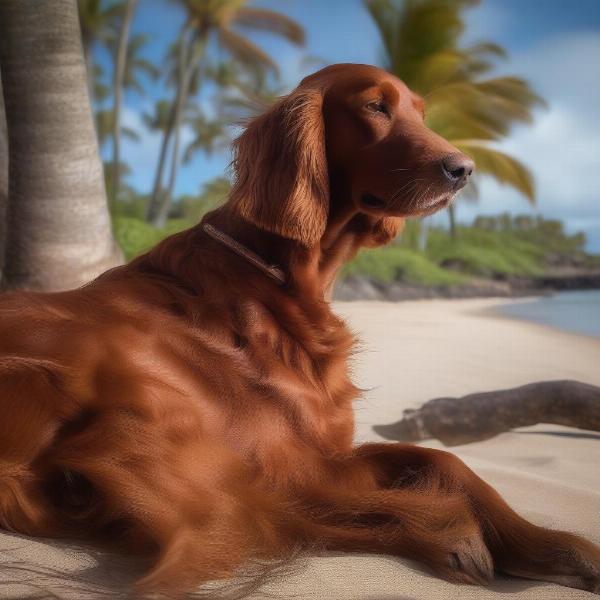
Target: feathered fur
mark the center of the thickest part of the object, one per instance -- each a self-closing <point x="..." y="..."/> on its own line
<point x="187" y="408"/>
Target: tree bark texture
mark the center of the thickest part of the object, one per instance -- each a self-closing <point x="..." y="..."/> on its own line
<point x="58" y="225"/>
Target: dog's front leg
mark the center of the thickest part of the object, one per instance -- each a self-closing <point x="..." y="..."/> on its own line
<point x="517" y="546"/>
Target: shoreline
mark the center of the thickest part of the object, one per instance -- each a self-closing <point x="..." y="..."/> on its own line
<point x="494" y="313"/>
<point x="363" y="288"/>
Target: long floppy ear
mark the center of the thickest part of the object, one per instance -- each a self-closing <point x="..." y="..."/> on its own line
<point x="281" y="180"/>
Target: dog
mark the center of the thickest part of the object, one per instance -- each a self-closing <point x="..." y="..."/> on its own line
<point x="195" y="405"/>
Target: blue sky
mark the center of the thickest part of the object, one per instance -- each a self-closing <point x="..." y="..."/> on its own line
<point x="555" y="44"/>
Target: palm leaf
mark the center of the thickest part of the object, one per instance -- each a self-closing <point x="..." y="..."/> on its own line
<point x="208" y="134"/>
<point x="245" y="51"/>
<point x="503" y="168"/>
<point x="130" y="133"/>
<point x="262" y="19"/>
<point x="160" y="118"/>
<point x="487" y="48"/>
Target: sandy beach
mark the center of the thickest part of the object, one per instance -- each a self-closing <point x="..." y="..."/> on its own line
<point x="413" y="352"/>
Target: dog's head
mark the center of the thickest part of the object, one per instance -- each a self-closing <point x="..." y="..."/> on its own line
<point x="349" y="135"/>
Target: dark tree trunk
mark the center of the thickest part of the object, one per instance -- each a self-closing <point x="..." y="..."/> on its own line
<point x="164" y="200"/>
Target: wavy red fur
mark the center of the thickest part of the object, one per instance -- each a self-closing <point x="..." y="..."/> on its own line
<point x="191" y="409"/>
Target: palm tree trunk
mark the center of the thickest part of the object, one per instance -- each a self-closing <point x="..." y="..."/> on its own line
<point x="452" y="221"/>
<point x="89" y="66"/>
<point x="120" y="64"/>
<point x="160" y="168"/>
<point x="164" y="201"/>
<point x="156" y="200"/>
<point x="59" y="230"/>
<point x="3" y="179"/>
<point x="188" y="57"/>
<point x="423" y="234"/>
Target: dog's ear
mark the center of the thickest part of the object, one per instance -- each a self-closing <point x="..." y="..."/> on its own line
<point x="281" y="179"/>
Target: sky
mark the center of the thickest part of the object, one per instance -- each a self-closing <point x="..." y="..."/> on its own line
<point x="554" y="44"/>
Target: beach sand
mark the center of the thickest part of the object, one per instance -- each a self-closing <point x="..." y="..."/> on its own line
<point x="413" y="352"/>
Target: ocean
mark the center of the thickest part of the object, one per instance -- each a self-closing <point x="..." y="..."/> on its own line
<point x="576" y="312"/>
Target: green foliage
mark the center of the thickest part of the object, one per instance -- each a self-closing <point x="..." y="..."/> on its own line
<point x="394" y="263"/>
<point x="135" y="236"/>
<point x="486" y="254"/>
<point x="493" y="247"/>
<point x="193" y="208"/>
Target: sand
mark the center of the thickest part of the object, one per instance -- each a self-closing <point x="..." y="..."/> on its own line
<point x="414" y="352"/>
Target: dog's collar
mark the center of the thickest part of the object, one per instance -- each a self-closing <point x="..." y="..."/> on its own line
<point x="272" y="271"/>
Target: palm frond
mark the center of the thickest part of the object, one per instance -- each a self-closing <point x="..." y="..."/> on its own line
<point x="159" y="119"/>
<point x="262" y="19"/>
<point x="503" y="168"/>
<point x="208" y="134"/>
<point x="105" y="120"/>
<point x="487" y="49"/>
<point x="245" y="51"/>
<point x="130" y="134"/>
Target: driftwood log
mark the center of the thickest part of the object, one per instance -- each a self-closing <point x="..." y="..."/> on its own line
<point x="484" y="415"/>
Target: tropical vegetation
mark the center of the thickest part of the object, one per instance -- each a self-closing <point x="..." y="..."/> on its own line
<point x="219" y="23"/>
<point x="215" y="72"/>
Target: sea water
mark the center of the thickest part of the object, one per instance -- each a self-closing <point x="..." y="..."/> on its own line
<point x="577" y="312"/>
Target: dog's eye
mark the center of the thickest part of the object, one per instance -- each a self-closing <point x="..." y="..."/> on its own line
<point x="377" y="106"/>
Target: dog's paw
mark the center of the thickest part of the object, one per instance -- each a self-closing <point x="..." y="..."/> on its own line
<point x="468" y="560"/>
<point x="472" y="559"/>
<point x="564" y="559"/>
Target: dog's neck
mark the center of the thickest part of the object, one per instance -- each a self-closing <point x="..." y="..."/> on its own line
<point x="310" y="271"/>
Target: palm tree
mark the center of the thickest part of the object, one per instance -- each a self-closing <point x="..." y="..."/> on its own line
<point x="214" y="22"/>
<point x="105" y="127"/>
<point x="159" y="119"/>
<point x="59" y="230"/>
<point x="421" y="46"/>
<point x="118" y="80"/>
<point x="128" y="64"/>
<point x="244" y="93"/>
<point x="209" y="134"/>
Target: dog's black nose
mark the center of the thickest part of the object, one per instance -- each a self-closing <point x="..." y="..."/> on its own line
<point x="457" y="168"/>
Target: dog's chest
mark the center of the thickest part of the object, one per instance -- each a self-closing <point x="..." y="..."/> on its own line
<point x="279" y="382"/>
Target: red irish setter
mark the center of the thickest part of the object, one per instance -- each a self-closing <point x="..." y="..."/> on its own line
<point x="196" y="405"/>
